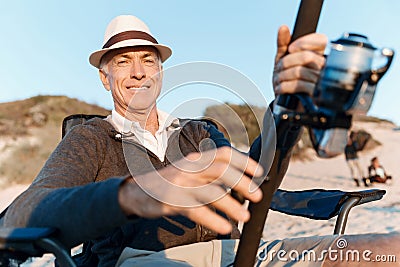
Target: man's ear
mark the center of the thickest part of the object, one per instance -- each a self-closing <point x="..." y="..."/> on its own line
<point x="161" y="72"/>
<point x="104" y="80"/>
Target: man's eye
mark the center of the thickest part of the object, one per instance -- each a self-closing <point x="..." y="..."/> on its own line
<point x="122" y="62"/>
<point x="149" y="61"/>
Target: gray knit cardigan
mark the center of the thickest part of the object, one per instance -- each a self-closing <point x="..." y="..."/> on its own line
<point x="77" y="192"/>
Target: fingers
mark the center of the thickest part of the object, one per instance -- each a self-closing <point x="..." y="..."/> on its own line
<point x="213" y="163"/>
<point x="222" y="167"/>
<point x="308" y="59"/>
<point x="208" y="218"/>
<point x="313" y="42"/>
<point x="295" y="86"/>
<point x="229" y="168"/>
<point x="235" y="179"/>
<point x="299" y="70"/>
<point x="239" y="161"/>
<point x="283" y="41"/>
<point x="295" y="80"/>
<point x="188" y="190"/>
<point x="238" y="173"/>
<point x="232" y="208"/>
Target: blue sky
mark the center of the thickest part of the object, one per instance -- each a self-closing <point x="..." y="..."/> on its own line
<point x="45" y="44"/>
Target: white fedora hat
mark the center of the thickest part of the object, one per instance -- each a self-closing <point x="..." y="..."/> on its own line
<point x="126" y="31"/>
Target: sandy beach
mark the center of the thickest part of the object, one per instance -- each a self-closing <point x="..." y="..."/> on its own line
<point x="377" y="217"/>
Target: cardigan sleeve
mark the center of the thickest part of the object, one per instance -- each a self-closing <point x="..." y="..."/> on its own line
<point x="65" y="196"/>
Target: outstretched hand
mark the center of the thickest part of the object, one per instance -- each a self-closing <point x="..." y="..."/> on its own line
<point x="189" y="186"/>
<point x="298" y="65"/>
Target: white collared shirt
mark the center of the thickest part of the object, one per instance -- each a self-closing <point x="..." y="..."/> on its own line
<point x="155" y="143"/>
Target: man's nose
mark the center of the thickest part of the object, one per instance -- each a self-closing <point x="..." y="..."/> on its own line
<point x="137" y="70"/>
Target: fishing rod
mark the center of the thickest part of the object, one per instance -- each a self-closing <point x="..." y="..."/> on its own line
<point x="306" y="22"/>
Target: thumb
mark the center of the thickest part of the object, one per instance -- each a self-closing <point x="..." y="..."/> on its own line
<point x="283" y="41"/>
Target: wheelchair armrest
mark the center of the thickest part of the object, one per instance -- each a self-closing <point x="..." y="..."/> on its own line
<point x="320" y="204"/>
<point x="21" y="243"/>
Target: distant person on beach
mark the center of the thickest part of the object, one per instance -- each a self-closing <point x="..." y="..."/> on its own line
<point x="377" y="173"/>
<point x="351" y="155"/>
<point x="162" y="199"/>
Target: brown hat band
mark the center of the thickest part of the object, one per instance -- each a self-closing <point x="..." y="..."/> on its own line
<point x="122" y="36"/>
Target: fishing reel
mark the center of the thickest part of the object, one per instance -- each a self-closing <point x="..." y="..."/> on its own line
<point x="346" y="87"/>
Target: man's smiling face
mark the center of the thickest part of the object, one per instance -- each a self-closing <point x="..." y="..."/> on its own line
<point x="133" y="74"/>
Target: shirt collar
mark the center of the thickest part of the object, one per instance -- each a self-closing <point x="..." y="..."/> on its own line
<point x="125" y="126"/>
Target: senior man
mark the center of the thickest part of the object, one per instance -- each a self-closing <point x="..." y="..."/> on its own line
<point x="130" y="186"/>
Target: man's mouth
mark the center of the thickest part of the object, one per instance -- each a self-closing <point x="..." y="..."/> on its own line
<point x="138" y="88"/>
